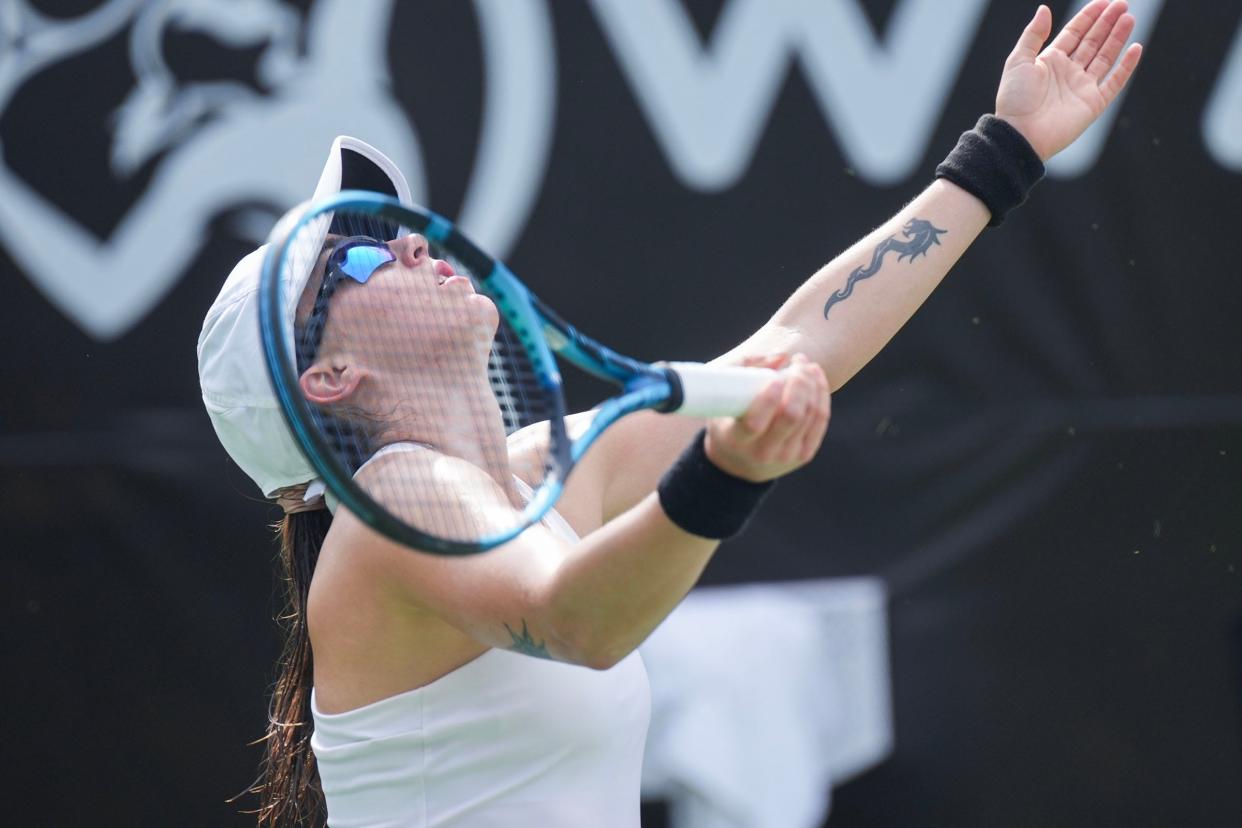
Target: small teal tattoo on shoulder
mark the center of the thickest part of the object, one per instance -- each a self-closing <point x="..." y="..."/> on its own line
<point x="526" y="644"/>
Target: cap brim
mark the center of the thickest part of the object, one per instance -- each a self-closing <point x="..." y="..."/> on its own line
<point x="352" y="164"/>
<point x="236" y="389"/>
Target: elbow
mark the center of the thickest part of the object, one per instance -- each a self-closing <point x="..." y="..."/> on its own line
<point x="583" y="632"/>
<point x="605" y="658"/>
<point x="594" y="650"/>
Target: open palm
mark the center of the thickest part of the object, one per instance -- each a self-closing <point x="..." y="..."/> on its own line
<point x="1052" y="96"/>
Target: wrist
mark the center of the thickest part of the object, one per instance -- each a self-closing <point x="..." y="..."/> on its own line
<point x="995" y="163"/>
<point x="705" y="500"/>
<point x="1019" y="126"/>
<point x="726" y="463"/>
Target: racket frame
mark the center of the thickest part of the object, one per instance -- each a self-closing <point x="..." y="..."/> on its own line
<point x="541" y="332"/>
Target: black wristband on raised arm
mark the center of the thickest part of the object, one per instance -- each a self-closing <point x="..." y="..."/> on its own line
<point x="994" y="163"/>
<point x="705" y="501"/>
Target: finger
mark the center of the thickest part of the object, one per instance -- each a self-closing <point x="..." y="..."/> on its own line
<point x="773" y="361"/>
<point x="1033" y="37"/>
<point x="786" y="426"/>
<point x="780" y="442"/>
<point x="1112" y="87"/>
<point x="818" y="424"/>
<point x="1067" y="41"/>
<point x="759" y="415"/>
<point x="781" y="438"/>
<point x="1097" y="35"/>
<point x="1107" y="56"/>
<point x="814" y="387"/>
<point x="818" y="427"/>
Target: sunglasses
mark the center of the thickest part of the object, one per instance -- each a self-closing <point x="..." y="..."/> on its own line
<point x="357" y="257"/>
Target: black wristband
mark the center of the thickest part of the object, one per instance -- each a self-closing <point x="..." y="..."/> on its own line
<point x="705" y="501"/>
<point x="994" y="163"/>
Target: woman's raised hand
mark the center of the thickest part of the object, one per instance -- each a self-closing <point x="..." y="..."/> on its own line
<point x="1052" y="96"/>
<point x="782" y="429"/>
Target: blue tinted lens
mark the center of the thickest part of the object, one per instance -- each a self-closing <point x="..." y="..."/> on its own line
<point x="359" y="261"/>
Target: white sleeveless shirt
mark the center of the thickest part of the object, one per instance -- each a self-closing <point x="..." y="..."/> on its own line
<point x="506" y="740"/>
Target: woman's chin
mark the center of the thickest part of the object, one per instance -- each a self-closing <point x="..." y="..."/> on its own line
<point x="488" y="315"/>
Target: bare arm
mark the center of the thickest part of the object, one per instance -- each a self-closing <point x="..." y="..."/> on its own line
<point x="849" y="309"/>
<point x="594" y="601"/>
<point x="590" y="604"/>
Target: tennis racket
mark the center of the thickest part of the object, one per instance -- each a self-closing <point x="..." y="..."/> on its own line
<point x="420" y="376"/>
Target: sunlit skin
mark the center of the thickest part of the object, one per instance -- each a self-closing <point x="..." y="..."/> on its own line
<point x="414" y="325"/>
<point x="383" y="620"/>
<point x="412" y="345"/>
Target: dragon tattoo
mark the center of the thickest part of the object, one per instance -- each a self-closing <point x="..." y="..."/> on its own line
<point x="920" y="236"/>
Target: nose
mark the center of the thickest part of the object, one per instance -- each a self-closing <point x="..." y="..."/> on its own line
<point x="411" y="250"/>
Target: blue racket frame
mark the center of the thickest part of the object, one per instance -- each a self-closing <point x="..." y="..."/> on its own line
<point x="541" y="332"/>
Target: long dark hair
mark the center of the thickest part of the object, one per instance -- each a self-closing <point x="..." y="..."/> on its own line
<point x="288" y="785"/>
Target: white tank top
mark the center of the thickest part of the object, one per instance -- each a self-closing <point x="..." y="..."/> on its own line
<point x="505" y="741"/>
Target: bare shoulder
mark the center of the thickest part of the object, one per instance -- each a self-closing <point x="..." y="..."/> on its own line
<point x="581" y="503"/>
<point x="445" y="496"/>
<point x="437" y="493"/>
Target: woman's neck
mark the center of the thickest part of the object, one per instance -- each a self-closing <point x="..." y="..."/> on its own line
<point x="454" y="415"/>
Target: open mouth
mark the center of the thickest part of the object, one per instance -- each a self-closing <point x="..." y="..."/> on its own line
<point x="444" y="271"/>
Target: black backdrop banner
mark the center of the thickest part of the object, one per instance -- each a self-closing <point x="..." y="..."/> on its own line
<point x="1045" y="465"/>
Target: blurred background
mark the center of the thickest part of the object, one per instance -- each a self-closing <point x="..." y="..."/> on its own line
<point x="1041" y="476"/>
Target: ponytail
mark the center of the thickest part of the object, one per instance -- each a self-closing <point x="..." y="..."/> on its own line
<point x="288" y="784"/>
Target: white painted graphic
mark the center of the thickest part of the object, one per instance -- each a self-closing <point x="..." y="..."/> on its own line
<point x="1081" y="155"/>
<point x="708" y="106"/>
<point x="221" y="144"/>
<point x="1222" y="122"/>
<point x="255" y="148"/>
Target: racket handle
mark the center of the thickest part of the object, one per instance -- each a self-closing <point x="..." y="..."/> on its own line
<point x="713" y="390"/>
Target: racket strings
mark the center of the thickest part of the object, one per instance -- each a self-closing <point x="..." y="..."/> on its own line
<point x="353" y="431"/>
<point x="342" y="429"/>
<point x="522" y="399"/>
<point x="410" y="344"/>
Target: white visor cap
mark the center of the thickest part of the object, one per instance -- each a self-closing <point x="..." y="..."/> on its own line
<point x="232" y="372"/>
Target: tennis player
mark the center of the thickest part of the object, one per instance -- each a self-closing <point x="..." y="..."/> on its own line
<point x="505" y="689"/>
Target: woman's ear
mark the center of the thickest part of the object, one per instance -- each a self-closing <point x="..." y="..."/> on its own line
<point x="324" y="384"/>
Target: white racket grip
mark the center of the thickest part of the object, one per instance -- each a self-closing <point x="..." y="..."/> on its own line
<point x="717" y="390"/>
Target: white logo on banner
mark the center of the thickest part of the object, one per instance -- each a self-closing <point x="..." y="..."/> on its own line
<point x="254" y="148"/>
<point x="222" y="144"/>
<point x="708" y="106"/>
<point x="1081" y="155"/>
<point x="1222" y="123"/>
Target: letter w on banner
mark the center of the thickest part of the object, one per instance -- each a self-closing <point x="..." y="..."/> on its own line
<point x="708" y="106"/>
